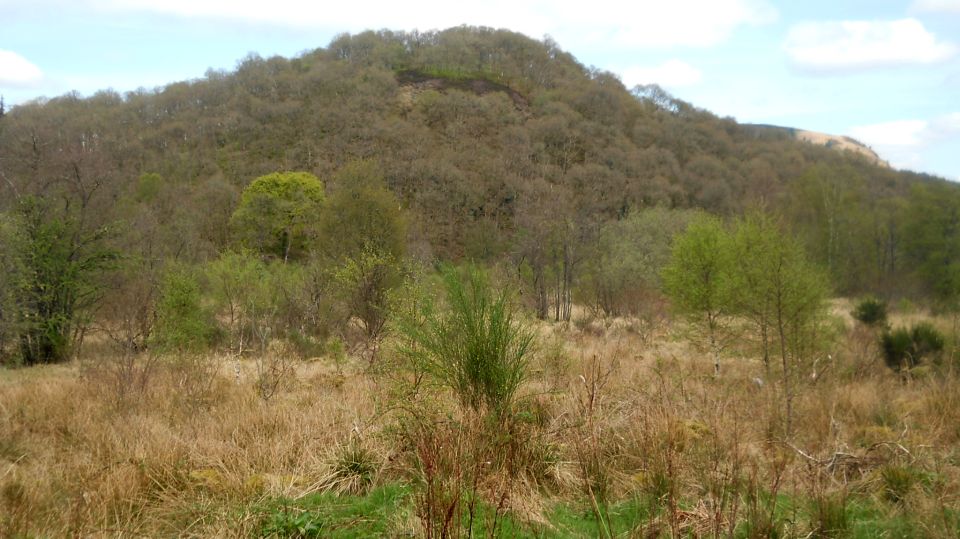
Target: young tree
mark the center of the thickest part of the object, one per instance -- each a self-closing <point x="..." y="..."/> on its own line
<point x="776" y="287"/>
<point x="61" y="263"/>
<point x="697" y="279"/>
<point x="753" y="239"/>
<point x="277" y="212"/>
<point x="238" y="283"/>
<point x="363" y="235"/>
<point x="184" y="327"/>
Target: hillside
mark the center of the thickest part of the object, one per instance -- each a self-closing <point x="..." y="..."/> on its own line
<point x="488" y="139"/>
<point x="836" y="142"/>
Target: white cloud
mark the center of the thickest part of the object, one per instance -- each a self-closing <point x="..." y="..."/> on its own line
<point x="635" y="24"/>
<point x="937" y="6"/>
<point x="855" y="45"/>
<point x="904" y="142"/>
<point x="905" y="133"/>
<point x="670" y="74"/>
<point x="15" y="70"/>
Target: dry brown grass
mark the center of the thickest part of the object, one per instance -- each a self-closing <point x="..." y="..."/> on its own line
<point x="618" y="412"/>
<point x="73" y="462"/>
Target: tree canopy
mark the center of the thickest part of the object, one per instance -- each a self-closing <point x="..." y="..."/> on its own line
<point x="277" y="213"/>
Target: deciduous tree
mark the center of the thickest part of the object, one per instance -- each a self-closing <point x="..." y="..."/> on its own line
<point x="277" y="213"/>
<point x="697" y="279"/>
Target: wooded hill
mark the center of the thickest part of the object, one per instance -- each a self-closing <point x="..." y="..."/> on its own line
<point x="499" y="148"/>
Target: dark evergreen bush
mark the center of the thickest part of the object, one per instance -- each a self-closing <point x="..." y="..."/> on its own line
<point x="896" y="346"/>
<point x="871" y="311"/>
<point x="927" y="340"/>
<point x="906" y="348"/>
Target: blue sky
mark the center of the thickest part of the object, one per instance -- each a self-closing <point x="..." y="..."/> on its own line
<point x="885" y="72"/>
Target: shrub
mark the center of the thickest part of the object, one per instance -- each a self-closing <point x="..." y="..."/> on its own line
<point x="871" y="312"/>
<point x="183" y="325"/>
<point x="50" y="279"/>
<point x="476" y="347"/>
<point x="365" y="283"/>
<point x="896" y="345"/>
<point x="185" y="329"/>
<point x="903" y="348"/>
<point x="927" y="340"/>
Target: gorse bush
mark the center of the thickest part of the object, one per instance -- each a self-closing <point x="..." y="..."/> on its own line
<point x="906" y="348"/>
<point x="871" y="312"/>
<point x="475" y="347"/>
<point x="896" y="347"/>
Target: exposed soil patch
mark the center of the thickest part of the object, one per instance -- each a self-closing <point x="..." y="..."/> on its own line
<point x="419" y="81"/>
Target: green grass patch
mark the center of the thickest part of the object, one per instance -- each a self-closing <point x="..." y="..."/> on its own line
<point x="580" y="521"/>
<point x="853" y="517"/>
<point x="389" y="511"/>
<point x="329" y="515"/>
<point x="460" y="75"/>
<point x="385" y="511"/>
<point x="867" y="519"/>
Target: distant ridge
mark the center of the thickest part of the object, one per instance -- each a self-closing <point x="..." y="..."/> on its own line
<point x="823" y="139"/>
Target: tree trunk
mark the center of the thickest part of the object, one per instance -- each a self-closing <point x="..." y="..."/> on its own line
<point x="787" y="390"/>
<point x="540" y="290"/>
<point x="765" y="343"/>
<point x="714" y="345"/>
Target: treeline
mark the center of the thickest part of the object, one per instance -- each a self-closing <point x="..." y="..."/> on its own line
<point x="491" y="147"/>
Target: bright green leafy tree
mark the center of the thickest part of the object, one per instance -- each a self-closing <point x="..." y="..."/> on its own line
<point x="697" y="278"/>
<point x="774" y="284"/>
<point x="278" y="212"/>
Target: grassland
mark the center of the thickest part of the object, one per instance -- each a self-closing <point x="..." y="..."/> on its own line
<point x="623" y="428"/>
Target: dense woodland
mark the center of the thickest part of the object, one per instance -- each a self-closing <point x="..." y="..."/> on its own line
<point x="397" y="150"/>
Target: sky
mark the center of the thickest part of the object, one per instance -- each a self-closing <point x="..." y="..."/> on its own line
<point x="886" y="72"/>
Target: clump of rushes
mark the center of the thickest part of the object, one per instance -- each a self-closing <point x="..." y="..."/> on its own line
<point x="354" y="468"/>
